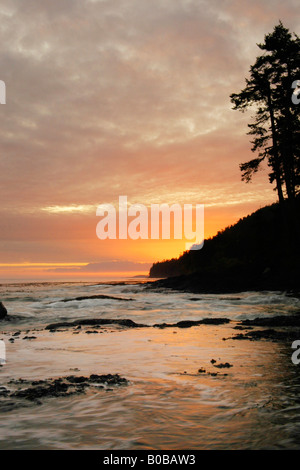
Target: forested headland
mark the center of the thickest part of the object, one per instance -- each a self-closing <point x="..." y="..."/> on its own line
<point x="261" y="251"/>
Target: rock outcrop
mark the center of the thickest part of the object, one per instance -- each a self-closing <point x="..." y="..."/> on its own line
<point x="3" y="311"/>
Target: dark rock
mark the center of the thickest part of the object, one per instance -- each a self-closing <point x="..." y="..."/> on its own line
<point x="97" y="296"/>
<point x="95" y="322"/>
<point x="40" y="391"/>
<point x="76" y="380"/>
<point x="111" y="379"/>
<point x="3" y="311"/>
<point x="224" y="365"/>
<point x="4" y="392"/>
<point x="242" y="327"/>
<point x="215" y="321"/>
<point x="270" y="334"/>
<point x="98" y="322"/>
<point x="61" y="387"/>
<point x="190" y="323"/>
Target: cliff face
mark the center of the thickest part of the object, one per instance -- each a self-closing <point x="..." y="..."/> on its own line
<point x="259" y="251"/>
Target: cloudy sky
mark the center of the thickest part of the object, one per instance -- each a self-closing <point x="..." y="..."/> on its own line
<point x="122" y="97"/>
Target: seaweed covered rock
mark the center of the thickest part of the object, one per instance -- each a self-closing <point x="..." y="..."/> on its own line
<point x="62" y="386"/>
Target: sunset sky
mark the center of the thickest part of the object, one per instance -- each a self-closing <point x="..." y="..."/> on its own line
<point x="122" y="97"/>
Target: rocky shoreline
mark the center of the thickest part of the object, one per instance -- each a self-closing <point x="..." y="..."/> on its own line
<point x="229" y="283"/>
<point x="18" y="392"/>
<point x="284" y="327"/>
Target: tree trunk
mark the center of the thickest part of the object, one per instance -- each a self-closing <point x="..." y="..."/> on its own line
<point x="275" y="147"/>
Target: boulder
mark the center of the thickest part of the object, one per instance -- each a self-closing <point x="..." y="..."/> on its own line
<point x="3" y="311"/>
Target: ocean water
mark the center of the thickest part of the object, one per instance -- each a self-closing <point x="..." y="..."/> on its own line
<point x="167" y="404"/>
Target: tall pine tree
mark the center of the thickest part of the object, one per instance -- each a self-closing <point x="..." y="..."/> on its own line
<point x="275" y="129"/>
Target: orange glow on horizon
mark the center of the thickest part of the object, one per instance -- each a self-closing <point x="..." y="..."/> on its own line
<point x="92" y="249"/>
<point x="29" y="264"/>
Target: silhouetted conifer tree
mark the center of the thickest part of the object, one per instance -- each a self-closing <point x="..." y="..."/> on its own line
<point x="275" y="129"/>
